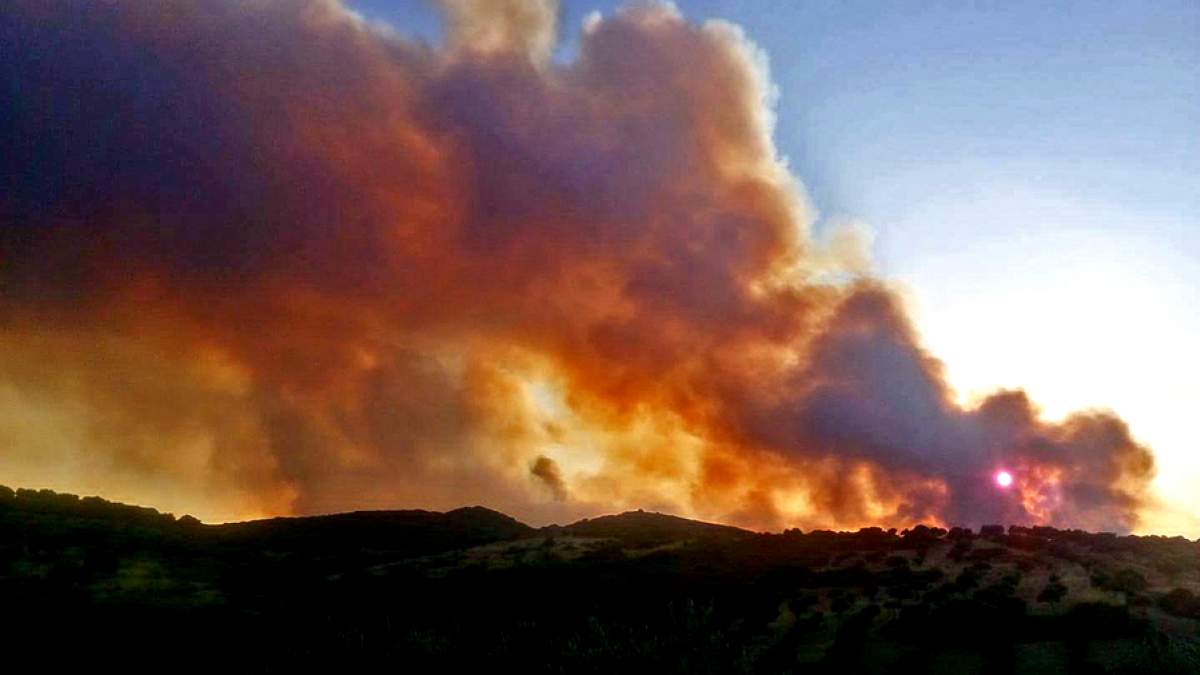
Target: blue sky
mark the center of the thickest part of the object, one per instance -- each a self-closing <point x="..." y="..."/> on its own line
<point x="1031" y="171"/>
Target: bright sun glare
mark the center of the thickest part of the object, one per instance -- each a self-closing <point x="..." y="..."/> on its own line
<point x="1004" y="479"/>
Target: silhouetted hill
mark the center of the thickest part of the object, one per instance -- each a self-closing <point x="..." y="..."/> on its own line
<point x="645" y="527"/>
<point x="412" y="532"/>
<point x="86" y="582"/>
<point x="69" y="505"/>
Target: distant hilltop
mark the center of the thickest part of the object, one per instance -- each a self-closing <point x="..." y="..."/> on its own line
<point x="489" y="525"/>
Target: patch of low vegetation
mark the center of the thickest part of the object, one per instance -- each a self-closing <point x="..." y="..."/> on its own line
<point x="473" y="589"/>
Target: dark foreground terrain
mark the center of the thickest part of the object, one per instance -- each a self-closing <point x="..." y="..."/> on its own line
<point x="91" y="584"/>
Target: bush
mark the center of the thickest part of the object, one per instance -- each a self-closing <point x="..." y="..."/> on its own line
<point x="1126" y="581"/>
<point x="1097" y="620"/>
<point x="1053" y="592"/>
<point x="1181" y="602"/>
<point x="966" y="581"/>
<point x="958" y="533"/>
<point x="960" y="550"/>
<point x="987" y="554"/>
<point x="991" y="531"/>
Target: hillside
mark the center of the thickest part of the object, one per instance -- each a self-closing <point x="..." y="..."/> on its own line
<point x="386" y="533"/>
<point x="646" y="528"/>
<point x="419" y="591"/>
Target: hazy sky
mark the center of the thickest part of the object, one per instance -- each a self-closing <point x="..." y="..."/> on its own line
<point x="267" y="258"/>
<point x="1029" y="170"/>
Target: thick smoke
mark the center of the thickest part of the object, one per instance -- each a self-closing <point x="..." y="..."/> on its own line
<point x="262" y="257"/>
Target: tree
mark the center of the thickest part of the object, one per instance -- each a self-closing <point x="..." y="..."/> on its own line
<point x="1181" y="602"/>
<point x="1053" y="591"/>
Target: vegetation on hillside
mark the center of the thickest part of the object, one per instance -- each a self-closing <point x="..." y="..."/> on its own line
<point x="86" y="580"/>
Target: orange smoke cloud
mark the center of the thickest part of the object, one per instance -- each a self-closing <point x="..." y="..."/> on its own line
<point x="263" y="258"/>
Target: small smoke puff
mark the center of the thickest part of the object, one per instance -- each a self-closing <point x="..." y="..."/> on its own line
<point x="546" y="470"/>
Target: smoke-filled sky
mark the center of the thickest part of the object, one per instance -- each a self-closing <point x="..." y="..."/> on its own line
<point x="292" y="257"/>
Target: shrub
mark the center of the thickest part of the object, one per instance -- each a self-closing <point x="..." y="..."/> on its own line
<point x="1053" y="591"/>
<point x="1097" y="620"/>
<point x="958" y="533"/>
<point x="959" y="550"/>
<point x="991" y="531"/>
<point x="1126" y="581"/>
<point x="1181" y="602"/>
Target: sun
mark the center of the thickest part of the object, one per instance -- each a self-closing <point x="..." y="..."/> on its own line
<point x="1004" y="479"/>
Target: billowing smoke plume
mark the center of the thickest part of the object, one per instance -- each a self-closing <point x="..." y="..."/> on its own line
<point x="262" y="257"/>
